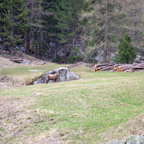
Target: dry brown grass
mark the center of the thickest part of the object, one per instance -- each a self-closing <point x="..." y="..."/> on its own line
<point x="7" y="82"/>
<point x="134" y="126"/>
<point x="15" y="120"/>
<point x="14" y="117"/>
<point x="6" y="63"/>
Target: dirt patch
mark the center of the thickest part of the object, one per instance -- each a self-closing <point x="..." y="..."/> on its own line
<point x="9" y="82"/>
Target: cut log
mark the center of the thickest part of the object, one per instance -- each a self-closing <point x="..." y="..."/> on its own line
<point x="137" y="67"/>
<point x="104" y="64"/>
<point x="107" y="68"/>
<point x="4" y="52"/>
<point x="17" y="60"/>
<point x="129" y="70"/>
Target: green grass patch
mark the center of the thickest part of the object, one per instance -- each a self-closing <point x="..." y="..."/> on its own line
<point x="86" y="108"/>
<point x="28" y="73"/>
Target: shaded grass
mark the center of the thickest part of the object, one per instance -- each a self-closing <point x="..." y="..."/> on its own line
<point x="82" y="110"/>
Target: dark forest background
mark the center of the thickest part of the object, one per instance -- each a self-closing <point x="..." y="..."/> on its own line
<point x="70" y="30"/>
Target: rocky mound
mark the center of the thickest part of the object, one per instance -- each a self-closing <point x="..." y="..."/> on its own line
<point x="64" y="74"/>
<point x="133" y="139"/>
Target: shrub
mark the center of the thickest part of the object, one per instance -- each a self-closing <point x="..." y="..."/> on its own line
<point x="57" y="59"/>
<point x="126" y="53"/>
<point x="75" y="56"/>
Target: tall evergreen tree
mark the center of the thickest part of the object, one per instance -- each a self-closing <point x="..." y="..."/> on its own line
<point x="34" y="36"/>
<point x="134" y="22"/>
<point x="13" y="23"/>
<point x="49" y="28"/>
<point x="67" y="18"/>
<point x="103" y="27"/>
<point x="126" y="51"/>
<point x="63" y="24"/>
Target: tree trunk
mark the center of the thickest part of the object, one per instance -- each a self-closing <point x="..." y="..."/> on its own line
<point x="27" y="42"/>
<point x="40" y="28"/>
<point x="11" y="48"/>
<point x="134" y="25"/>
<point x="106" y="32"/>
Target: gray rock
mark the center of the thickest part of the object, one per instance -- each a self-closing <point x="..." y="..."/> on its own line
<point x="26" y="61"/>
<point x="139" y="59"/>
<point x="119" y="142"/>
<point x="64" y="75"/>
<point x="71" y="76"/>
<point x="135" y="139"/>
<point x="99" y="58"/>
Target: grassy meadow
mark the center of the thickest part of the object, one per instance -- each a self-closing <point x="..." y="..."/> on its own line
<point x="97" y="108"/>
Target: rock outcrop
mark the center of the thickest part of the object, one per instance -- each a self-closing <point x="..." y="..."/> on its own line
<point x="64" y="74"/>
<point x="133" y="139"/>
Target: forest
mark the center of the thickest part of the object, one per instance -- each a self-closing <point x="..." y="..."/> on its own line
<point x="67" y="31"/>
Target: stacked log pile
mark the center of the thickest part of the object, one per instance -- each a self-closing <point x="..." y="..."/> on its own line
<point x="102" y="67"/>
<point x="118" y="67"/>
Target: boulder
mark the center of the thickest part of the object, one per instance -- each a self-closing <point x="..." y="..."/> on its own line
<point x="135" y="139"/>
<point x="139" y="59"/>
<point x="119" y="142"/>
<point x="64" y="75"/>
<point x="110" y="57"/>
<point x="132" y="139"/>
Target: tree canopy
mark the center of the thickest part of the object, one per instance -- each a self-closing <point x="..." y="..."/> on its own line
<point x="52" y="28"/>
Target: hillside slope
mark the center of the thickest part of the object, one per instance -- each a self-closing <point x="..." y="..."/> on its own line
<point x="96" y="109"/>
<point x="6" y="63"/>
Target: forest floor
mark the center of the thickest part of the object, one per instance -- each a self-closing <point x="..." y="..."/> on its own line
<point x="98" y="108"/>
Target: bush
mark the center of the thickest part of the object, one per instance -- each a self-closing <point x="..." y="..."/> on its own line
<point x="126" y="53"/>
<point x="75" y="56"/>
<point x="91" y="43"/>
<point x="57" y="59"/>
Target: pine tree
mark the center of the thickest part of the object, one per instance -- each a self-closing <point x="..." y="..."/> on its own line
<point x="63" y="24"/>
<point x="126" y="51"/>
<point x="34" y="39"/>
<point x="5" y="25"/>
<point x="49" y="28"/>
<point x="68" y="20"/>
<point x="103" y="28"/>
<point x="134" y="22"/>
<point x="13" y="23"/>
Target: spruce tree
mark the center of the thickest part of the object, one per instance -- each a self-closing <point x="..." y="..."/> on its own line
<point x="103" y="28"/>
<point x="67" y="19"/>
<point x="126" y="51"/>
<point x="13" y="23"/>
<point x="4" y="22"/>
<point x="62" y="24"/>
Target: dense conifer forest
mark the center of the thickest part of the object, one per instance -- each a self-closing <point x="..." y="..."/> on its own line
<point x="70" y="30"/>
